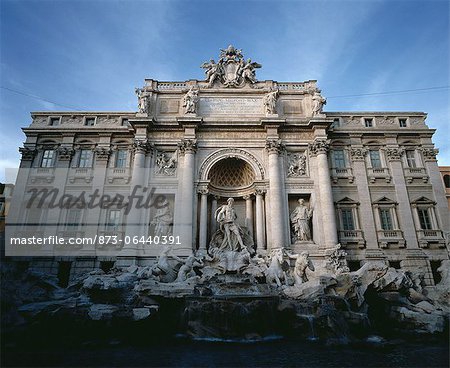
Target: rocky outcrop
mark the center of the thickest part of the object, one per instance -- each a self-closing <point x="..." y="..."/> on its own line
<point x="327" y="304"/>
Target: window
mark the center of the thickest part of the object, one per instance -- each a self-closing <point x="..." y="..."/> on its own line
<point x="73" y="219"/>
<point x="85" y="159"/>
<point x="121" y="158"/>
<point x="447" y="181"/>
<point x="411" y="158"/>
<point x="336" y="122"/>
<point x="375" y="159"/>
<point x="402" y="122"/>
<point x="113" y="223"/>
<point x="89" y="121"/>
<point x="386" y="219"/>
<point x="55" y="121"/>
<point x="125" y="122"/>
<point x="339" y="158"/>
<point x="347" y="219"/>
<point x="424" y="219"/>
<point x="395" y="264"/>
<point x="48" y="158"/>
<point x="368" y="122"/>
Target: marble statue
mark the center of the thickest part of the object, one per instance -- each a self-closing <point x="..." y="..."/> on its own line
<point x="226" y="217"/>
<point x="186" y="271"/>
<point x="247" y="70"/>
<point x="142" y="100"/>
<point x="213" y="71"/>
<point x="190" y="101"/>
<point x="297" y="165"/>
<point x="302" y="262"/>
<point x="276" y="271"/>
<point x="166" y="165"/>
<point x="163" y="220"/>
<point x="167" y="266"/>
<point x="337" y="261"/>
<point x="300" y="218"/>
<point x="317" y="103"/>
<point x="270" y="102"/>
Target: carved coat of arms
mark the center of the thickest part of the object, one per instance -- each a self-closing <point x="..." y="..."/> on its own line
<point x="231" y="70"/>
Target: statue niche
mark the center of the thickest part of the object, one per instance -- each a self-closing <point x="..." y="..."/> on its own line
<point x="231" y="248"/>
<point x="301" y="222"/>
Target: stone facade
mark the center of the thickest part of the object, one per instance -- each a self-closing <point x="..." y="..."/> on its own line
<point x="369" y="179"/>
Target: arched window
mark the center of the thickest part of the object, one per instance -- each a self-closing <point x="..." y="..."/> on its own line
<point x="447" y="181"/>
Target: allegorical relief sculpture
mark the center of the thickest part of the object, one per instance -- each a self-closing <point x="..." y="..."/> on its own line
<point x="166" y="164"/>
<point x="317" y="103"/>
<point x="163" y="220"/>
<point x="231" y="70"/>
<point x="190" y="101"/>
<point x="300" y="219"/>
<point x="270" y="102"/>
<point x="297" y="165"/>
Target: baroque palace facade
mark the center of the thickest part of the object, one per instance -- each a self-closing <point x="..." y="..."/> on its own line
<point x="301" y="178"/>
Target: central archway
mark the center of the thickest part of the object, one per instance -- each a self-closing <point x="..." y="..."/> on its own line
<point x="231" y="172"/>
<point x="231" y="176"/>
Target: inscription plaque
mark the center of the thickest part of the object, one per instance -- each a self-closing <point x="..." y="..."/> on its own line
<point x="230" y="106"/>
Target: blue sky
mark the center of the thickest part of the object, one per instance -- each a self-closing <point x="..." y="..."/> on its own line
<point x="90" y="55"/>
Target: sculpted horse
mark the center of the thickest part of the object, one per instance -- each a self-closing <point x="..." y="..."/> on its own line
<point x="277" y="267"/>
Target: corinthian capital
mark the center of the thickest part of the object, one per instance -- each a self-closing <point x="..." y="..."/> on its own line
<point x="187" y="145"/>
<point x="27" y="153"/>
<point x="65" y="153"/>
<point x="102" y="153"/>
<point x="358" y="154"/>
<point x="142" y="146"/>
<point x="430" y="154"/>
<point x="274" y="146"/>
<point x="394" y="154"/>
<point x="319" y="146"/>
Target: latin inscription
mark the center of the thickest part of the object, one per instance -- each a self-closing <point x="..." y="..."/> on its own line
<point x="230" y="106"/>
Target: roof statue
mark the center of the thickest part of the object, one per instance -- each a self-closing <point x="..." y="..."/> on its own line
<point x="232" y="70"/>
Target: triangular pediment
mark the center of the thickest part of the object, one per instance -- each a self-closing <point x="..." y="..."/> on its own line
<point x="347" y="200"/>
<point x="423" y="200"/>
<point x="385" y="200"/>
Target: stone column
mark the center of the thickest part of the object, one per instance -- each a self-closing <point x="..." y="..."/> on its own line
<point x="213" y="211"/>
<point x="249" y="213"/>
<point x="187" y="148"/>
<point x="276" y="192"/>
<point x="134" y="218"/>
<point x="429" y="155"/>
<point x="203" y="220"/>
<point x="319" y="148"/>
<point x="260" y="241"/>
<point x="405" y="217"/>
<point x="358" y="155"/>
